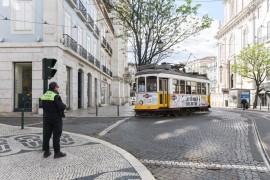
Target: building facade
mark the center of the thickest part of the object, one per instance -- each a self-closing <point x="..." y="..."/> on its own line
<point x="79" y="34"/>
<point x="245" y="22"/>
<point x="205" y="66"/>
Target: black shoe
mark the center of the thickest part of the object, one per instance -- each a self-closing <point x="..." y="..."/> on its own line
<point x="47" y="154"/>
<point x="59" y="154"/>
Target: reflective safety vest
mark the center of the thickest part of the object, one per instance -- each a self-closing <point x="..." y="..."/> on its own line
<point x="48" y="96"/>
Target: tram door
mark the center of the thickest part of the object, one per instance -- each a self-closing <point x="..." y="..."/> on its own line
<point x="163" y="92"/>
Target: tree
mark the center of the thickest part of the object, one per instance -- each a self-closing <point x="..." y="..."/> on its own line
<point x="254" y="63"/>
<point x="151" y="23"/>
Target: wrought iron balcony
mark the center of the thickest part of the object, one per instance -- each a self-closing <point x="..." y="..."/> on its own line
<point x="108" y="20"/>
<point x="90" y="22"/>
<point x="73" y="3"/>
<point x="82" y="9"/>
<point x="97" y="63"/>
<point x="81" y="51"/>
<point x="90" y="58"/>
<point x="104" y="69"/>
<point x="97" y="31"/>
<point x="104" y="42"/>
<point x="69" y="42"/>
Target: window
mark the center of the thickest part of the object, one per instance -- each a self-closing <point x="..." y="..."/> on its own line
<point x="203" y="88"/>
<point x="151" y="83"/>
<point x="245" y="38"/>
<point x="231" y="45"/>
<point x="88" y="42"/>
<point x="259" y="9"/>
<point x="193" y="88"/>
<point x="259" y="35"/>
<point x="188" y="87"/>
<point x="199" y="88"/>
<point x="268" y="30"/>
<point x="175" y="86"/>
<point x="67" y="29"/>
<point x="141" y="84"/>
<point x="268" y="5"/>
<point x="23" y="85"/>
<point x="182" y="86"/>
<point x="80" y="35"/>
<point x="24" y="16"/>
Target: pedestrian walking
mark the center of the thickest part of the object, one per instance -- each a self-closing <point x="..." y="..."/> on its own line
<point x="53" y="108"/>
<point x="244" y="103"/>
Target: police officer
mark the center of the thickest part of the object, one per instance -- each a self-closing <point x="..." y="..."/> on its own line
<point x="53" y="108"/>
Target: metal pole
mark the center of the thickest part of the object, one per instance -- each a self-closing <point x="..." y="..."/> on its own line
<point x="260" y="106"/>
<point x="96" y="110"/>
<point x="117" y="110"/>
<point x="268" y="106"/>
<point x="22" y="119"/>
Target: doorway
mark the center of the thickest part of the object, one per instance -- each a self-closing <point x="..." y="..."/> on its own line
<point x="23" y="86"/>
<point x="163" y="92"/>
<point x="80" y="88"/>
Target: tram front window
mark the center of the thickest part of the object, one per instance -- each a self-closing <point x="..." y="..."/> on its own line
<point x="151" y="82"/>
<point x="141" y="84"/>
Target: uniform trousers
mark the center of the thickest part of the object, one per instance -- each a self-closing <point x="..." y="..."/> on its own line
<point x="52" y="126"/>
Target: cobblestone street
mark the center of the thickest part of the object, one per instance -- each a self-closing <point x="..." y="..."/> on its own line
<point x="204" y="146"/>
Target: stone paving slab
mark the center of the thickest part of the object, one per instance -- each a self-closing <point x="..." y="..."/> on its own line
<point x="87" y="158"/>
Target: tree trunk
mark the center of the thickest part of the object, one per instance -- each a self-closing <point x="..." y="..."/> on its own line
<point x="256" y="98"/>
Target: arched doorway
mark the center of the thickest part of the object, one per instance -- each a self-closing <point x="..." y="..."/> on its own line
<point x="80" y="88"/>
<point x="89" y="90"/>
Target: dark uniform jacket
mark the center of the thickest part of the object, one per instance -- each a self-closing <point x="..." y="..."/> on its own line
<point x="52" y="105"/>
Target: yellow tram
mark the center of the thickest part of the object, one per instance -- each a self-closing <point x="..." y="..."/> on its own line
<point x="166" y="91"/>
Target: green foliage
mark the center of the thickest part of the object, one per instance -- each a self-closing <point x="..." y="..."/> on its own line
<point x="253" y="62"/>
<point x="146" y="22"/>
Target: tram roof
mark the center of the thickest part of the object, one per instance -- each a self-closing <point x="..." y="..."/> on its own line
<point x="170" y="71"/>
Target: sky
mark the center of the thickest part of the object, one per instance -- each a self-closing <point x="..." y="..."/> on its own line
<point x="204" y="44"/>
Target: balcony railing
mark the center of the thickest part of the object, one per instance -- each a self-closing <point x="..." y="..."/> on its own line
<point x="73" y="3"/>
<point x="82" y="9"/>
<point x="90" y="58"/>
<point x="97" y="31"/>
<point x="104" y="69"/>
<point x="108" y="20"/>
<point x="97" y="63"/>
<point x="90" y="21"/>
<point x="104" y="42"/>
<point x="69" y="42"/>
<point x="81" y="51"/>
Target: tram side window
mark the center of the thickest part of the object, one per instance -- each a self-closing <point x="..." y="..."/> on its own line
<point x="151" y="82"/>
<point x="141" y="84"/>
<point x="182" y="86"/>
<point x="203" y="88"/>
<point x="199" y="88"/>
<point x="175" y="86"/>
<point x="188" y="87"/>
<point x="193" y="88"/>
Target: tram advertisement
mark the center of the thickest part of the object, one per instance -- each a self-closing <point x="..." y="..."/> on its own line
<point x="186" y="100"/>
<point x="147" y="98"/>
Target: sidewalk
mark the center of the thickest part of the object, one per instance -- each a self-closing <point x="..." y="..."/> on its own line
<point x="104" y="111"/>
<point x="21" y="158"/>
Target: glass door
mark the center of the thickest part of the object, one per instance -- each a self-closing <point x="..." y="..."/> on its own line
<point x="23" y="86"/>
<point x="163" y="92"/>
